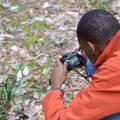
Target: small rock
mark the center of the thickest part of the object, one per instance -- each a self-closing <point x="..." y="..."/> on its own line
<point x="46" y="5"/>
<point x="6" y="5"/>
<point x="39" y="18"/>
<point x="26" y="71"/>
<point x="15" y="48"/>
<point x="63" y="86"/>
<point x="74" y="14"/>
<point x="3" y="36"/>
<point x="35" y="95"/>
<point x="14" y="8"/>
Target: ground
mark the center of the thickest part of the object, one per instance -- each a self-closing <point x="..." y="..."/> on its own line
<point x="32" y="33"/>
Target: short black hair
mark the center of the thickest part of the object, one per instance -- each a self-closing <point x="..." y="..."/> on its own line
<point x="97" y="26"/>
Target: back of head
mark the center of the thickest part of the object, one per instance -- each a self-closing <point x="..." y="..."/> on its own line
<point x="97" y="26"/>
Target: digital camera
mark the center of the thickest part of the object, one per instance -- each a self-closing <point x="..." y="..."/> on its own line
<point x="74" y="59"/>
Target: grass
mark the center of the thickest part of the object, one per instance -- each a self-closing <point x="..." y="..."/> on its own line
<point x="31" y="39"/>
<point x="2" y="114"/>
<point x="104" y="5"/>
<point x="6" y="90"/>
<point x="6" y="96"/>
<point x="98" y="4"/>
<point x="1" y="6"/>
<point x="8" y="44"/>
<point x="27" y="30"/>
<point x="31" y="63"/>
<point x="40" y="25"/>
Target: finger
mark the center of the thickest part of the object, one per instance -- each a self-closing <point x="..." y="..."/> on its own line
<point x="58" y="62"/>
<point x="65" y="66"/>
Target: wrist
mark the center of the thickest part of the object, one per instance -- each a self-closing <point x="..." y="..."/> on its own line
<point x="56" y="88"/>
<point x="56" y="85"/>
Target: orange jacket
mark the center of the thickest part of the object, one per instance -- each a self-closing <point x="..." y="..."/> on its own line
<point x="100" y="99"/>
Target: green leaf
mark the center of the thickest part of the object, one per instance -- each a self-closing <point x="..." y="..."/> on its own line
<point x="45" y="71"/>
<point x="9" y="44"/>
<point x="40" y="25"/>
<point x="32" y="63"/>
<point x="1" y="6"/>
<point x="30" y="40"/>
<point x="27" y="30"/>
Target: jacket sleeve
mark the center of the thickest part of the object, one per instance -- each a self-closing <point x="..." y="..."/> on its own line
<point x="91" y="103"/>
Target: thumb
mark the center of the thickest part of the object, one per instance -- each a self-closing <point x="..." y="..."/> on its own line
<point x="65" y="65"/>
<point x="58" y="62"/>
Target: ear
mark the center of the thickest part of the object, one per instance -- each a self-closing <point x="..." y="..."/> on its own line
<point x="91" y="47"/>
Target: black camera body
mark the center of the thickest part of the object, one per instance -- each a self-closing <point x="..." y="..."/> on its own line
<point x="74" y="59"/>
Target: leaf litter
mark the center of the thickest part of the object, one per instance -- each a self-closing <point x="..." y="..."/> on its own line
<point x="32" y="33"/>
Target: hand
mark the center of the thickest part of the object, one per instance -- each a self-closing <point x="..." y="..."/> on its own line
<point x="58" y="74"/>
